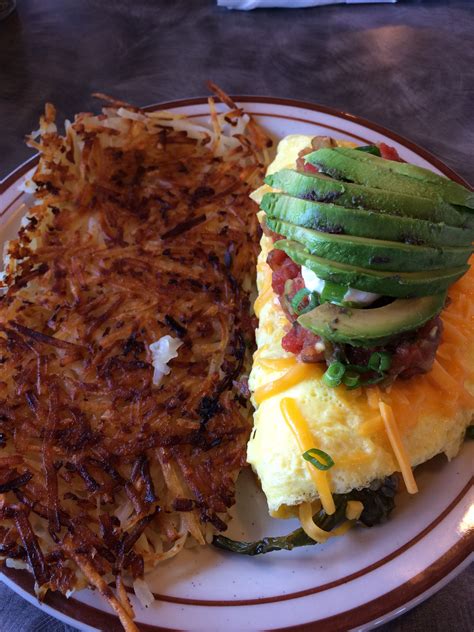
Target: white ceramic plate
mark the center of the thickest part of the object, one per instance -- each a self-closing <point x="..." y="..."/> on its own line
<point x="355" y="582"/>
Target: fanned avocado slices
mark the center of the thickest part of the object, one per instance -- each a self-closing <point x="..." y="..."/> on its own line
<point x="396" y="284"/>
<point x="371" y="327"/>
<point x="389" y="175"/>
<point x="377" y="226"/>
<point x="318" y="187"/>
<point x="333" y="218"/>
<point x="373" y="254"/>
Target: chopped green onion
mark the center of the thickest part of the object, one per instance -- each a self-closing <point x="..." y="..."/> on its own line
<point x="374" y="380"/>
<point x="333" y="293"/>
<point x="380" y="361"/>
<point x="299" y="296"/>
<point x="370" y="149"/>
<point x="351" y="374"/>
<point x="334" y="374"/>
<point x="321" y="460"/>
<point x="358" y="368"/>
<point x="351" y="381"/>
<point x="312" y="303"/>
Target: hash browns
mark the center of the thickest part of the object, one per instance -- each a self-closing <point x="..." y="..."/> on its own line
<point x="142" y="227"/>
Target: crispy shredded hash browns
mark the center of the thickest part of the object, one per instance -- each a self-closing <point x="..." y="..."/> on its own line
<point x="142" y="228"/>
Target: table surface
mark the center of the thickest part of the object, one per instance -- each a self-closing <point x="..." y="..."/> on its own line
<point x="409" y="67"/>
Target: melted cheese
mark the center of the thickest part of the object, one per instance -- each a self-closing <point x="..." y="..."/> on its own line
<point x="261" y="299"/>
<point x="278" y="364"/>
<point x="448" y="387"/>
<point x="353" y="509"/>
<point x="371" y="426"/>
<point x="299" y="427"/>
<point x="259" y="352"/>
<point x="353" y="459"/>
<point x="292" y="377"/>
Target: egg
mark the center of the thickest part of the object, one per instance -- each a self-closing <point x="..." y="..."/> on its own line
<point x="431" y="412"/>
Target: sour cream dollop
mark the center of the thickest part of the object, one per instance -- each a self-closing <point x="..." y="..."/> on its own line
<point x="314" y="284"/>
<point x="311" y="280"/>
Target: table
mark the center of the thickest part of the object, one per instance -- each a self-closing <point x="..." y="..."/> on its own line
<point x="409" y="67"/>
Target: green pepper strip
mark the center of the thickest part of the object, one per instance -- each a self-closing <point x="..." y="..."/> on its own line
<point x="287" y="542"/>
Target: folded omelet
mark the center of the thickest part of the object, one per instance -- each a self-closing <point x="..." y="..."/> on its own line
<point x="430" y="412"/>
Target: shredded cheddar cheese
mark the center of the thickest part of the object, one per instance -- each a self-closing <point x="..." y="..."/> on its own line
<point x="396" y="442"/>
<point x="299" y="427"/>
<point x="372" y="398"/>
<point x="293" y="376"/>
<point x="305" y="514"/>
<point x="441" y="391"/>
<point x="371" y="426"/>
<point x="445" y="381"/>
<point x="278" y="364"/>
<point x="353" y="509"/>
<point x="343" y="529"/>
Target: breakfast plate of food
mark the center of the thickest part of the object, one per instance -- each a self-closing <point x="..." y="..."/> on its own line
<point x="237" y="386"/>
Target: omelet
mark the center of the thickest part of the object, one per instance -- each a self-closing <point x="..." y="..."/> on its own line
<point x="429" y="412"/>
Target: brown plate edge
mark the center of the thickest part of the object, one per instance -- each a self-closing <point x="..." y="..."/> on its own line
<point x="358" y="616"/>
<point x="376" y="127"/>
<point x="396" y="598"/>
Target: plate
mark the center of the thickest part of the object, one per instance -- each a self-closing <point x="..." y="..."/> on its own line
<point x="358" y="581"/>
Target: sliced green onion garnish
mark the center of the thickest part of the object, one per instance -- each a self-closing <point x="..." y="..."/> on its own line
<point x="351" y="381"/>
<point x="380" y="361"/>
<point x="334" y="374"/>
<point x="321" y="460"/>
<point x="370" y="149"/>
<point x="374" y="380"/>
<point x="351" y="374"/>
<point x="333" y="293"/>
<point x="313" y="302"/>
<point x="358" y="368"/>
<point x="299" y="296"/>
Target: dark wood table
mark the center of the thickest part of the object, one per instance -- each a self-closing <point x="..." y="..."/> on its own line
<point x="409" y="67"/>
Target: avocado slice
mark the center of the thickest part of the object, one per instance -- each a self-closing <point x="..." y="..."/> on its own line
<point x="390" y="175"/>
<point x="337" y="219"/>
<point x="371" y="327"/>
<point x="318" y="187"/>
<point x="397" y="284"/>
<point x="373" y="254"/>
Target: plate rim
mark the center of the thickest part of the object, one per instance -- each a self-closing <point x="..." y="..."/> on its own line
<point x="363" y="614"/>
